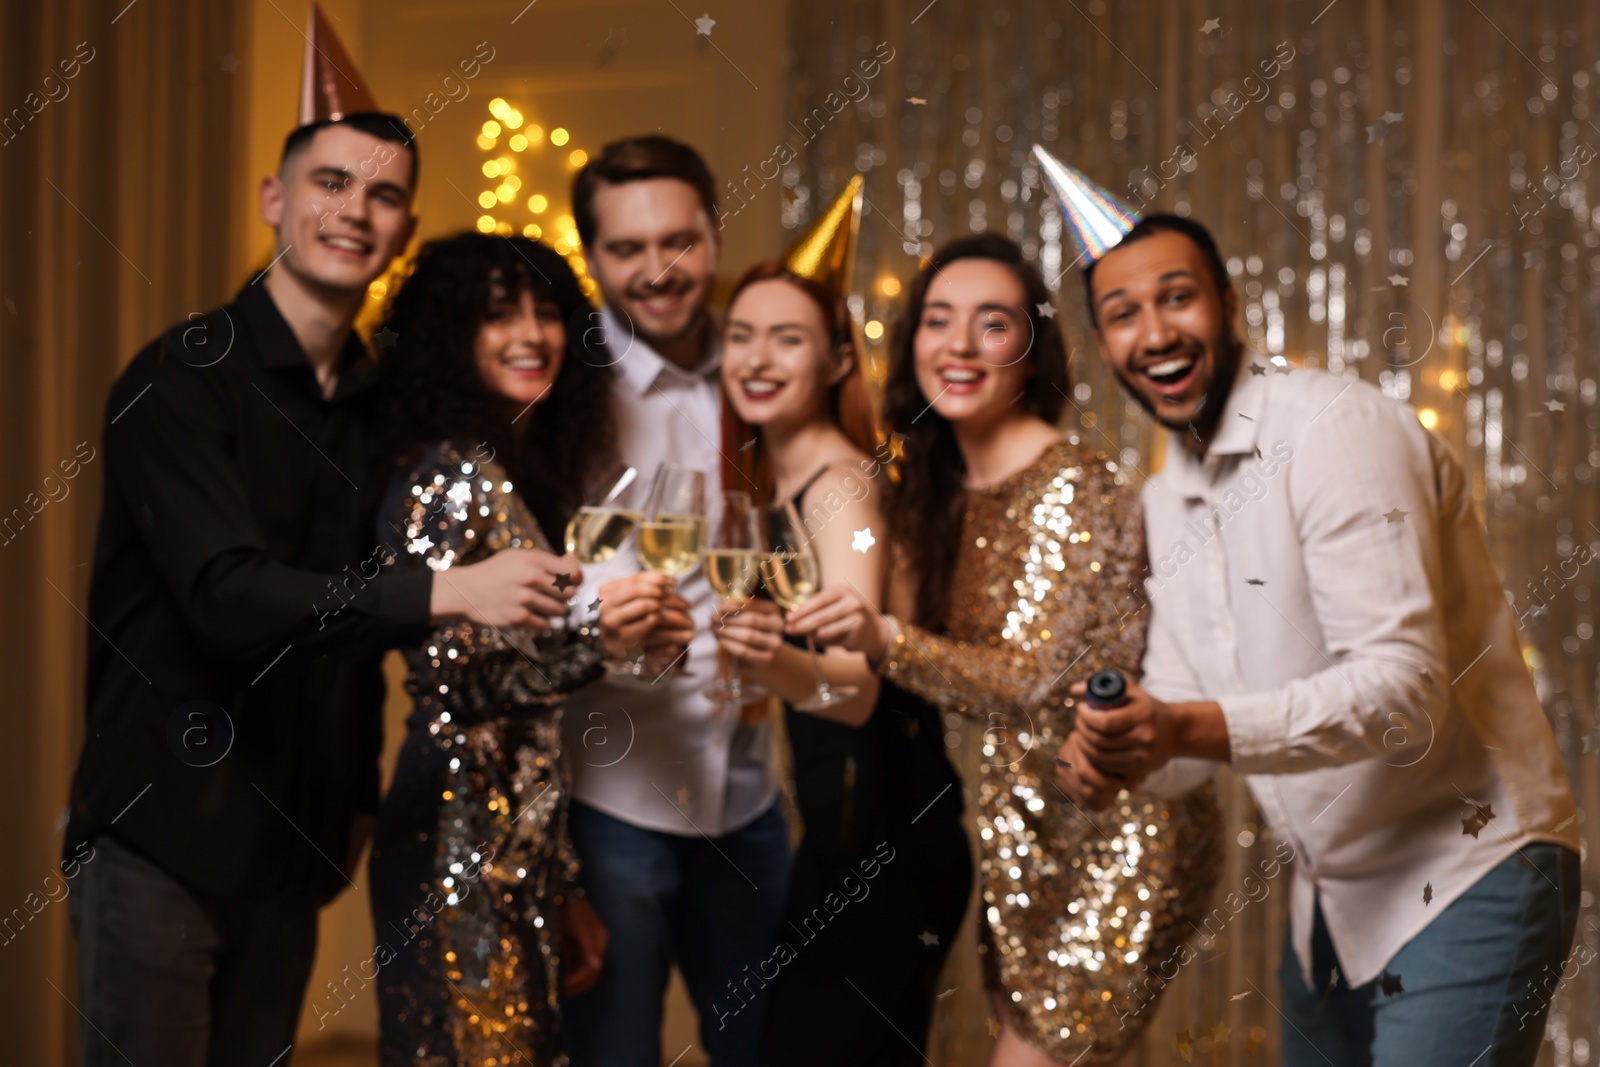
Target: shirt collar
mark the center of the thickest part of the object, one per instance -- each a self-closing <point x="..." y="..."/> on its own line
<point x="642" y="366"/>
<point x="1236" y="432"/>
<point x="277" y="348"/>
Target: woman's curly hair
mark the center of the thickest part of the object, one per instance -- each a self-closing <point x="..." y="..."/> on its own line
<point x="431" y="390"/>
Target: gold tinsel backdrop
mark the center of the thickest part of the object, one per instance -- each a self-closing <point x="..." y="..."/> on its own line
<point x="1401" y="189"/>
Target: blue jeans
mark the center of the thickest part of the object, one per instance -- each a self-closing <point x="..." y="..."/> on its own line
<point x="712" y="905"/>
<point x="1475" y="983"/>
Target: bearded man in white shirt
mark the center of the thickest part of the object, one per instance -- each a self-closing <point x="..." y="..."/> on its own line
<point x="685" y="851"/>
<point x="1326" y="618"/>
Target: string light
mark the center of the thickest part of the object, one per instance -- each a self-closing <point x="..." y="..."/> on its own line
<point x="506" y="186"/>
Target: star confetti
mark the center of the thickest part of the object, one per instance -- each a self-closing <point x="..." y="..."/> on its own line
<point x="596" y="605"/>
<point x="1427" y="894"/>
<point x="228" y="63"/>
<point x="1372" y="132"/>
<point x="421" y="544"/>
<point x="1254" y="581"/>
<point x="748" y="445"/>
<point x="703" y="24"/>
<point x="1211" y="26"/>
<point x="1183" y="1045"/>
<point x="863" y="540"/>
<point x="459" y="493"/>
<point x="946" y="993"/>
<point x="1047" y="310"/>
<point x="386" y="337"/>
<point x="1391" y="117"/>
<point x="1257" y="368"/>
<point x="929" y="938"/>
<point x="1390" y="983"/>
<point x="1555" y="405"/>
<point x="915" y="101"/>
<point x="610" y="48"/>
<point x="1220" y="1032"/>
<point x="1239" y="996"/>
<point x="1396" y="515"/>
<point x="563" y="582"/>
<point x="1481" y="814"/>
<point x="1399" y="280"/>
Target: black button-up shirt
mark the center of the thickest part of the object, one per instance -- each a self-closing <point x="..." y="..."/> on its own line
<point x="238" y="609"/>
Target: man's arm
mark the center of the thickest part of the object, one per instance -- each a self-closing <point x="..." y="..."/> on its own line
<point x="169" y="455"/>
<point x="1362" y="487"/>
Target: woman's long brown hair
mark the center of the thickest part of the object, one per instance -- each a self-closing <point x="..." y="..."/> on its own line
<point x="745" y="462"/>
<point x="927" y="501"/>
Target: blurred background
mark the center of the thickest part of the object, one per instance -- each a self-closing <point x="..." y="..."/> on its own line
<point x="1401" y="187"/>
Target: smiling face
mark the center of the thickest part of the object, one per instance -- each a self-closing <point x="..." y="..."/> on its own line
<point x="519" y="347"/>
<point x="973" y="343"/>
<point x="654" y="256"/>
<point x="1164" y="330"/>
<point x="777" y="359"/>
<point x="341" y="209"/>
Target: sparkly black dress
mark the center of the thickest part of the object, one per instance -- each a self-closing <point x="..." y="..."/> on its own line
<point x="877" y="890"/>
<point x="471" y="862"/>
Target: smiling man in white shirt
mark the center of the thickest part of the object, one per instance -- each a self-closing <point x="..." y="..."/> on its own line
<point x="1326" y="617"/>
<point x="675" y="818"/>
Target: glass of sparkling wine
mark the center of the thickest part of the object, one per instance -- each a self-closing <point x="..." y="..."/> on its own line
<point x="793" y="577"/>
<point x="672" y="531"/>
<point x="733" y="567"/>
<point x="600" y="527"/>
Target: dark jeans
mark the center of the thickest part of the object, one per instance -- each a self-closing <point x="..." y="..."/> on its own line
<point x="1474" y="985"/>
<point x="711" y="905"/>
<point x="167" y="978"/>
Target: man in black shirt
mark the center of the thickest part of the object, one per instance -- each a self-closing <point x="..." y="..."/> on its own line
<point x="238" y="610"/>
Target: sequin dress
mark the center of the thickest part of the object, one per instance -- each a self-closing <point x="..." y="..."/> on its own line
<point x="1078" y="904"/>
<point x="471" y="862"/>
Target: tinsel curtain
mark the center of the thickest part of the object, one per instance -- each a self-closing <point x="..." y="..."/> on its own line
<point x="1401" y="189"/>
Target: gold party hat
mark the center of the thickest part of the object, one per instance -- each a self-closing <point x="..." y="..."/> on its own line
<point x="330" y="85"/>
<point x="826" y="252"/>
<point x="1097" y="220"/>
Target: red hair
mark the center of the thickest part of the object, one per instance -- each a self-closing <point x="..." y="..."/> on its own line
<point x="849" y="404"/>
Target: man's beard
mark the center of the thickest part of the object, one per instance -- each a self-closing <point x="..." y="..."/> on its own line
<point x="1208" y="412"/>
<point x="697" y="319"/>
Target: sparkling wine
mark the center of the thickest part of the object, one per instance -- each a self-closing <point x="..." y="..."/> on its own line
<point x="671" y="544"/>
<point x="791" y="578"/>
<point x="732" y="572"/>
<point x="595" y="534"/>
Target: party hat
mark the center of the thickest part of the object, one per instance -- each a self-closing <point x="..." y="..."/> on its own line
<point x="826" y="252"/>
<point x="1097" y="219"/>
<point x="330" y="85"/>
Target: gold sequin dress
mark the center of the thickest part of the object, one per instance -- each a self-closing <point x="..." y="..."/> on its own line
<point x="471" y="862"/>
<point x="1044" y="592"/>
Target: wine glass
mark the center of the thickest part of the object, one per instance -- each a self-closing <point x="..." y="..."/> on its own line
<point x="793" y="577"/>
<point x="603" y="523"/>
<point x="733" y="567"/>
<point x="672" y="531"/>
<point x="607" y="518"/>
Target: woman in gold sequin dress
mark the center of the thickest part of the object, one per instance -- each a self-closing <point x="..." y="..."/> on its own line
<point x="1020" y="554"/>
<point x="492" y="427"/>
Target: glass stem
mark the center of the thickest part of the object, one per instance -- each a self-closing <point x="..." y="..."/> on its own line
<point x="816" y="668"/>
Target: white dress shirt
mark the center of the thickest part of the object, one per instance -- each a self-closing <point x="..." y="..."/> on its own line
<point x="655" y="752"/>
<point x="1322" y="575"/>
